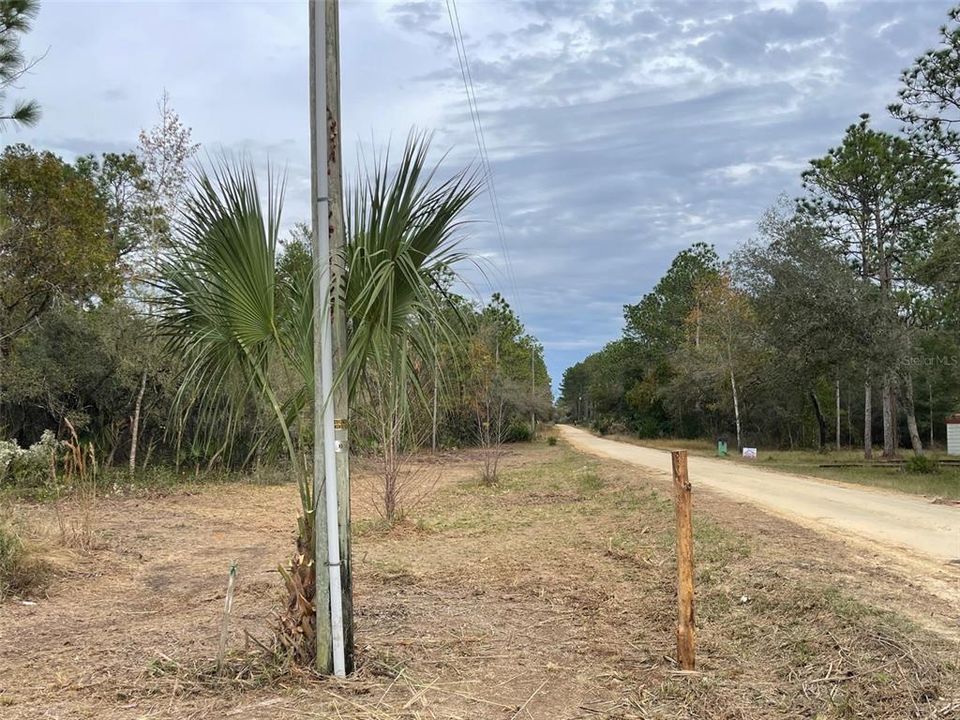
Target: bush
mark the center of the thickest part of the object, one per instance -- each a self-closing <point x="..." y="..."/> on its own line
<point x="606" y="425"/>
<point x="600" y="425"/>
<point x="552" y="440"/>
<point x="30" y="467"/>
<point x="518" y="432"/>
<point x="921" y="464"/>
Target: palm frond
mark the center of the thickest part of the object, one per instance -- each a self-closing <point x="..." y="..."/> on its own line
<point x="401" y="233"/>
<point x="218" y="299"/>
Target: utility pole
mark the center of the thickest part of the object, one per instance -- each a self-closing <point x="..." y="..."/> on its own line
<point x="328" y="593"/>
<point x="341" y="390"/>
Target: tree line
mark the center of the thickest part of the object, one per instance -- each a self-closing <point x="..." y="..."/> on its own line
<point x="837" y="324"/>
<point x="94" y="253"/>
<point x="80" y="304"/>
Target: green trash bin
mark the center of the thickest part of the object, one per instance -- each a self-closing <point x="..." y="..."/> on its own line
<point x="721" y="448"/>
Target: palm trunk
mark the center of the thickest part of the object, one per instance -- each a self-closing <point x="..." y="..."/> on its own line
<point x="297" y="629"/>
<point x="135" y="422"/>
<point x="910" y="408"/>
<point x="867" y="421"/>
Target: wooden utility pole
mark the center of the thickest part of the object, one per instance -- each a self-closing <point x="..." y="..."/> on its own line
<point x="341" y="393"/>
<point x="329" y="452"/>
<point x="686" y="628"/>
<point x="321" y="596"/>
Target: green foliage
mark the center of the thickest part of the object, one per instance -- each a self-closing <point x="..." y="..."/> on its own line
<point x="656" y="321"/>
<point x="518" y="431"/>
<point x="16" y="17"/>
<point x="32" y="467"/>
<point x="54" y="243"/>
<point x="921" y="465"/>
<point x="792" y="316"/>
<point x="484" y="375"/>
<point x="929" y="99"/>
<point x="128" y="197"/>
<point x="219" y="313"/>
<point x="879" y="199"/>
<point x="857" y="286"/>
<point x="633" y="379"/>
<point x="401" y="239"/>
<point x="552" y="440"/>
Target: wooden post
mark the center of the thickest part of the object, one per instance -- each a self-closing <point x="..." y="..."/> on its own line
<point x="686" y="632"/>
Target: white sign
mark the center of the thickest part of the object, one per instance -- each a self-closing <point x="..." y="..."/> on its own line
<point x="750" y="453"/>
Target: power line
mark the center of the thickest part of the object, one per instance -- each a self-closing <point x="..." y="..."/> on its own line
<point x="464" y="62"/>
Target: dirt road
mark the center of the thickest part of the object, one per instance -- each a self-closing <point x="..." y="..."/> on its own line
<point x="907" y="523"/>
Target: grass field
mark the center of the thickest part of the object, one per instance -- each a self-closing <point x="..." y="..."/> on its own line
<point x="944" y="483"/>
<point x="548" y="596"/>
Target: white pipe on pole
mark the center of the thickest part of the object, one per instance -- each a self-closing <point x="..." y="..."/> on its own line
<point x="323" y="333"/>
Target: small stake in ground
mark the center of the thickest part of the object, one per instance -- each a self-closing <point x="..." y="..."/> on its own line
<point x="686" y="633"/>
<point x="225" y="621"/>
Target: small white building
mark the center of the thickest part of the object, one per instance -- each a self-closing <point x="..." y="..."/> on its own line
<point x="953" y="434"/>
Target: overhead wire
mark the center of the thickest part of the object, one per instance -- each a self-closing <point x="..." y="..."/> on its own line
<point x="456" y="31"/>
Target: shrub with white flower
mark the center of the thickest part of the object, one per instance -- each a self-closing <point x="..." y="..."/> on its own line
<point x="30" y="466"/>
<point x="9" y="451"/>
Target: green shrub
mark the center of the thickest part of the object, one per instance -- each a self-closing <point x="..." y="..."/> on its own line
<point x="601" y="425"/>
<point x="921" y="465"/>
<point x="552" y="440"/>
<point x="518" y="432"/>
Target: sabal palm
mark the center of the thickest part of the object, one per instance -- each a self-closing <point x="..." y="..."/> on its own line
<point x="239" y="327"/>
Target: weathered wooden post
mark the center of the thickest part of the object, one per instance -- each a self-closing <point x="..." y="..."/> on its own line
<point x="686" y="629"/>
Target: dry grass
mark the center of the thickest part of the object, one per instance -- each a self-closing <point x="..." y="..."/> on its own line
<point x="23" y="570"/>
<point x="547" y="596"/>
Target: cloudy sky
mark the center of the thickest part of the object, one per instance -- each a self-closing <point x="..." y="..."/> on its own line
<point x="619" y="132"/>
